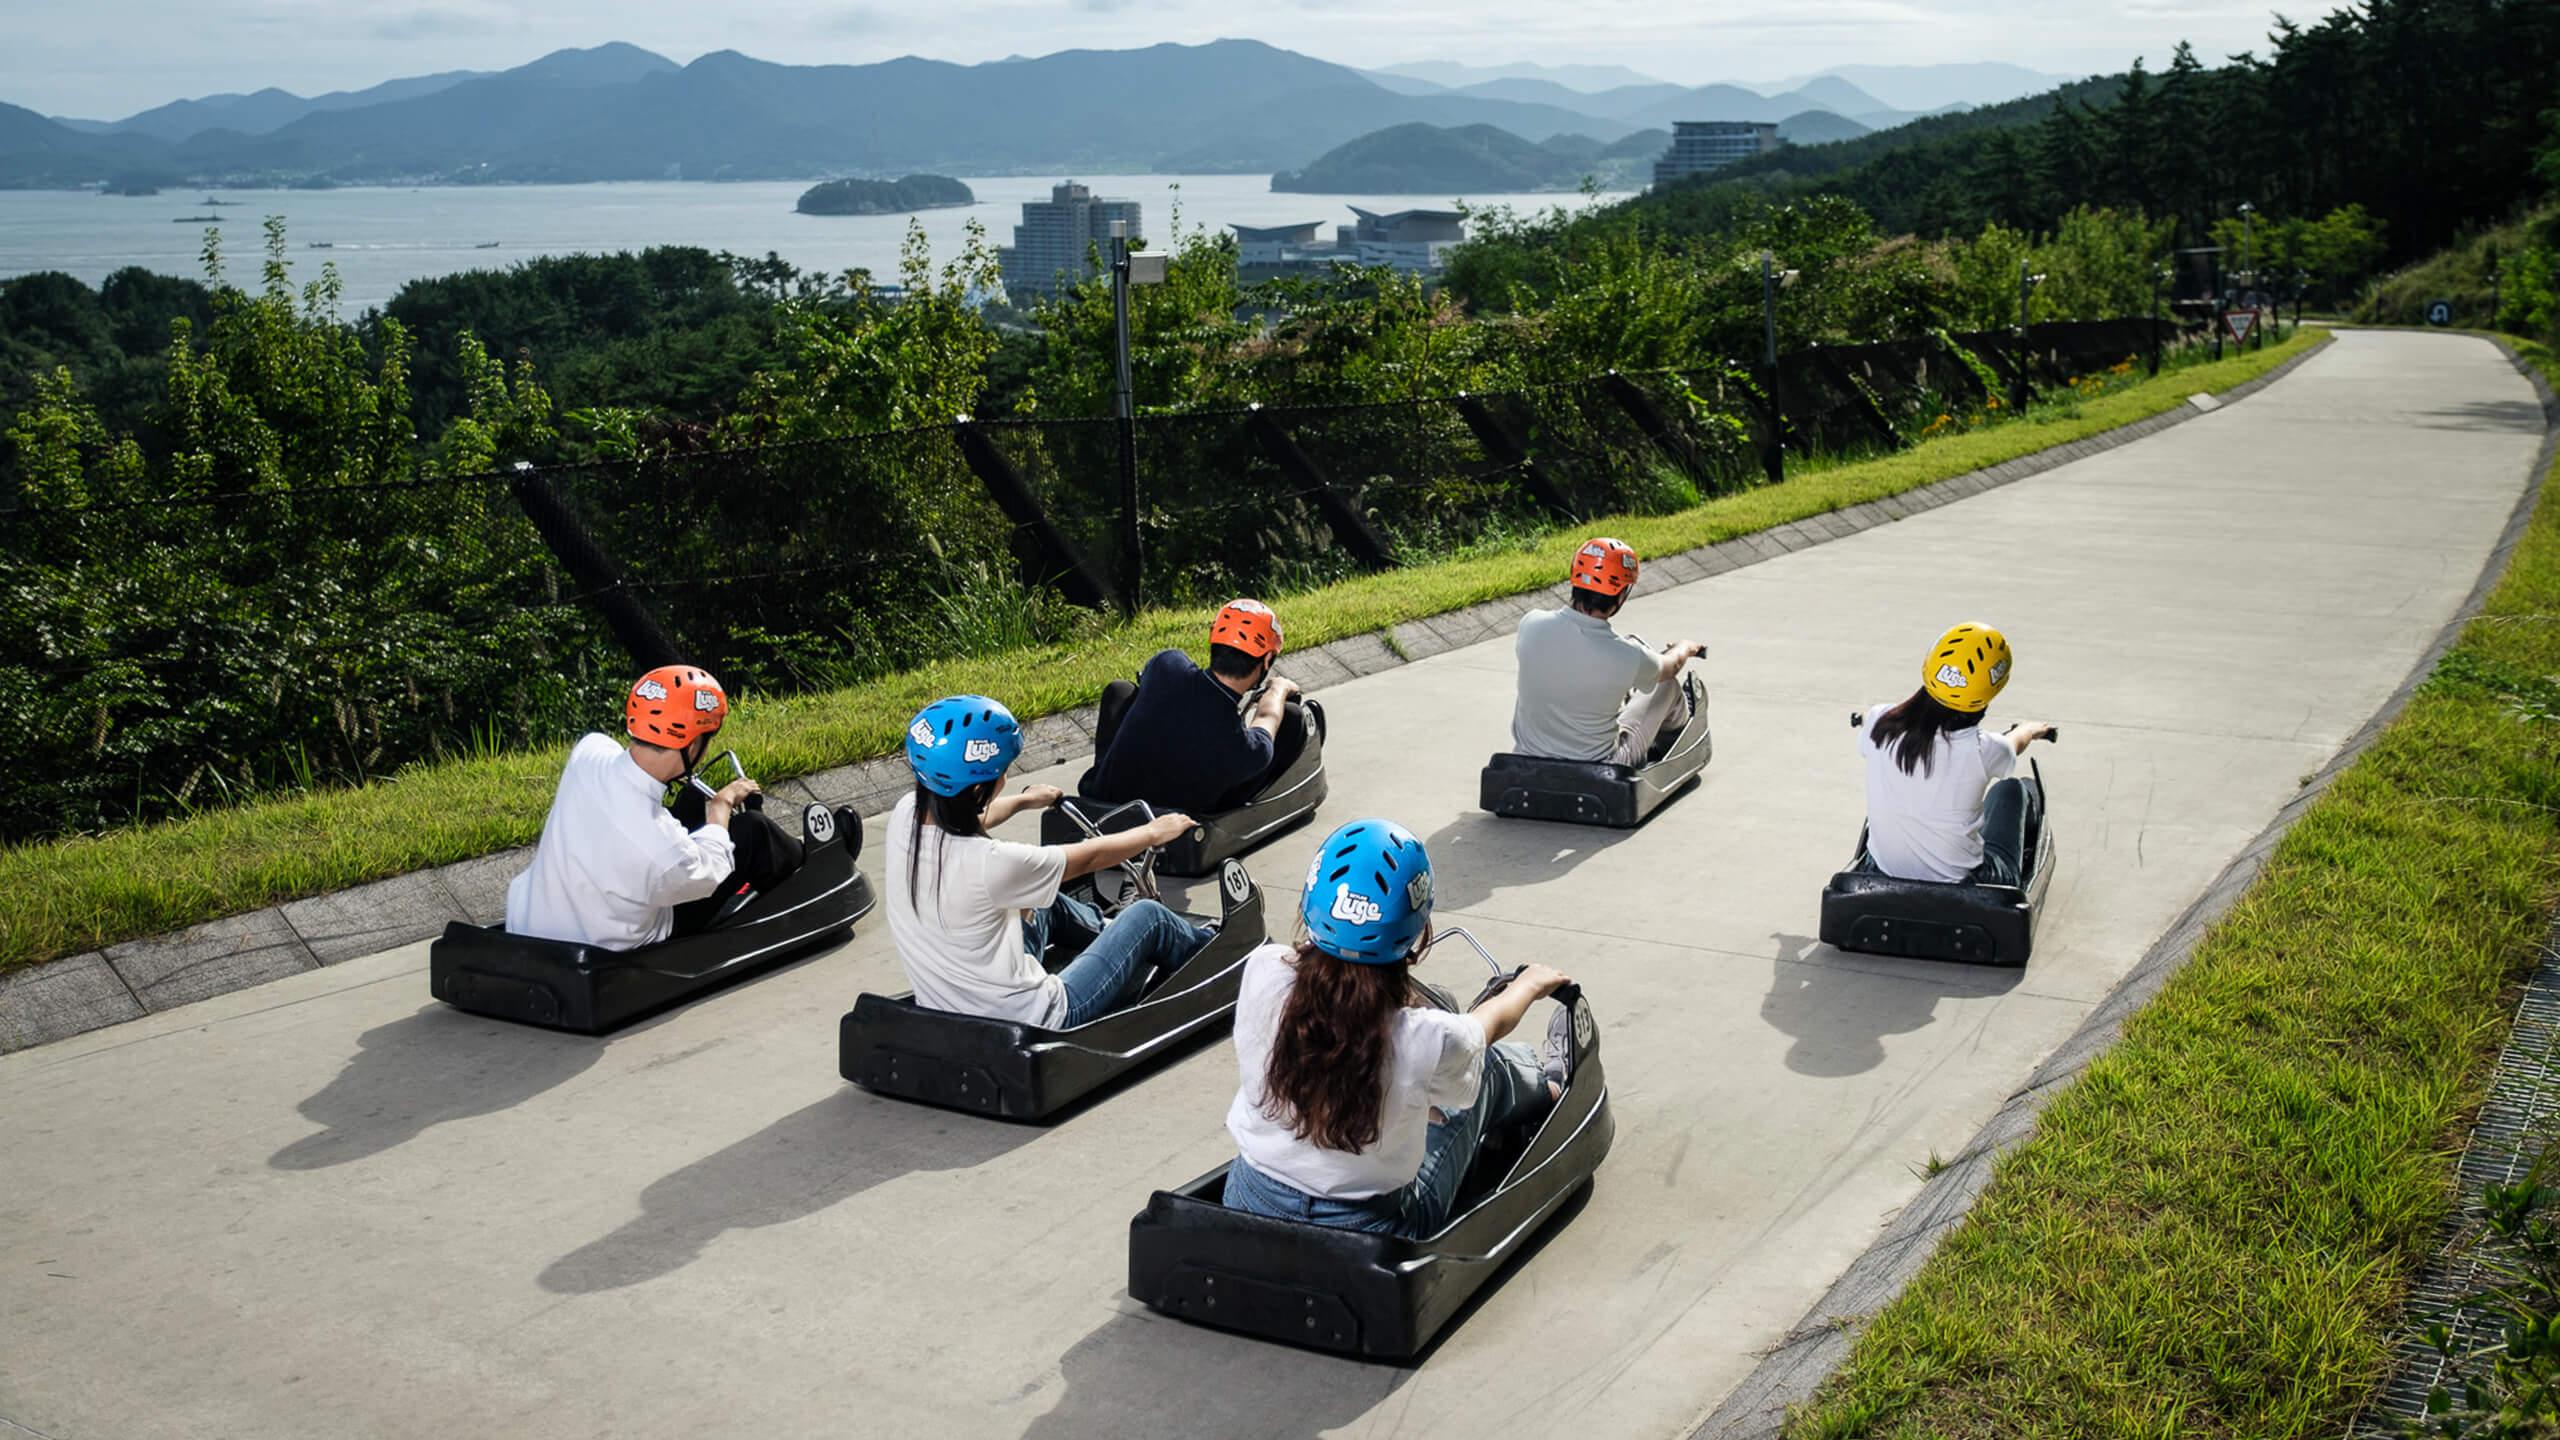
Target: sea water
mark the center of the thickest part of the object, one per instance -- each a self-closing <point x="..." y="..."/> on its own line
<point x="380" y="237"/>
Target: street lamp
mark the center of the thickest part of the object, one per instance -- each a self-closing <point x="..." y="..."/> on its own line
<point x="1772" y="457"/>
<point x="2248" y="243"/>
<point x="1128" y="267"/>
<point x="2027" y="283"/>
<point x="2160" y="275"/>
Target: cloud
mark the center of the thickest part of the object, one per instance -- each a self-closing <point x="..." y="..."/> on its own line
<point x="431" y="24"/>
<point x="1101" y="7"/>
<point x="855" y="20"/>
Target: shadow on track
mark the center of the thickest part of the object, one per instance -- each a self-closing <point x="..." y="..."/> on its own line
<point x="2519" y="416"/>
<point x="1478" y="854"/>
<point x="1839" y="1015"/>
<point x="425" y="1069"/>
<point x="1139" y="1375"/>
<point x="815" y="1157"/>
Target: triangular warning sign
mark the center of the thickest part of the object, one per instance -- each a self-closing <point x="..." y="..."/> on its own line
<point x="2241" y="323"/>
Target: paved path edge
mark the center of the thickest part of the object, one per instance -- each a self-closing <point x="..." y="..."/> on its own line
<point x="1790" y="1371"/>
<point x="78" y="993"/>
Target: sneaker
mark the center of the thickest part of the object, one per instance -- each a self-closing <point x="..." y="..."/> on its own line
<point x="1556" y="1059"/>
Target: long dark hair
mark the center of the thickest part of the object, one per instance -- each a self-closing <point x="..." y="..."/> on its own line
<point x="1913" y="728"/>
<point x="952" y="815"/>
<point x="1328" y="1073"/>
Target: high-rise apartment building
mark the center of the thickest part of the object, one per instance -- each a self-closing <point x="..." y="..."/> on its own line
<point x="1055" y="244"/>
<point x="1698" y="146"/>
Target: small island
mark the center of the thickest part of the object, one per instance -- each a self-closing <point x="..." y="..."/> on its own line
<point x="884" y="197"/>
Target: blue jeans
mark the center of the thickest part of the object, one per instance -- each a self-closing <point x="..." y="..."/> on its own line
<point x="1514" y="1090"/>
<point x="1113" y="959"/>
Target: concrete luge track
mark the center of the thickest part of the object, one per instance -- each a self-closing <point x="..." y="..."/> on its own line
<point x="328" y="1206"/>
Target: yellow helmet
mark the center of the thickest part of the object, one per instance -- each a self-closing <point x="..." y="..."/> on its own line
<point x="1966" y="668"/>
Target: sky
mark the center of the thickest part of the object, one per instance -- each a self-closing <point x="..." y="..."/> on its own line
<point x="104" y="59"/>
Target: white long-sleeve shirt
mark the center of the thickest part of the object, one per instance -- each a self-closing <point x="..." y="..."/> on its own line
<point x="612" y="864"/>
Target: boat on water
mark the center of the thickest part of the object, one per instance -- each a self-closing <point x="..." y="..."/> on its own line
<point x="486" y="245"/>
<point x="195" y="219"/>
<point x="321" y="245"/>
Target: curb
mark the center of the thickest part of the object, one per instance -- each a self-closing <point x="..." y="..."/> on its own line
<point x="1790" y="1371"/>
<point x="126" y="981"/>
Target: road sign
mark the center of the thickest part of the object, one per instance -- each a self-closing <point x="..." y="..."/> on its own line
<point x="2241" y="322"/>
<point x="2439" y="312"/>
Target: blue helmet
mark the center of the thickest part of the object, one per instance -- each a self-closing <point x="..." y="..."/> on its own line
<point x="960" y="741"/>
<point x="1368" y="894"/>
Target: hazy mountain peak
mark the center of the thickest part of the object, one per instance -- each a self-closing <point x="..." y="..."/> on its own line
<point x="1451" y="75"/>
<point x="615" y="62"/>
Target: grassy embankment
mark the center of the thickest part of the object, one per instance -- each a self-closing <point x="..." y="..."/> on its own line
<point x="74" y="895"/>
<point x="2212" y="1231"/>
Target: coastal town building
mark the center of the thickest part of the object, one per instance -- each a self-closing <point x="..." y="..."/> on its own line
<point x="1059" y="238"/>
<point x="1414" y="241"/>
<point x="1698" y="146"/>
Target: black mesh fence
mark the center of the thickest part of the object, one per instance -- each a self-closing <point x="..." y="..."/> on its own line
<point x="187" y="649"/>
<point x="175" y="651"/>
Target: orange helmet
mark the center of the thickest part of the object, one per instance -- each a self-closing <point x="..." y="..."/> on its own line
<point x="1249" y="626"/>
<point x="674" y="705"/>
<point x="1604" y="566"/>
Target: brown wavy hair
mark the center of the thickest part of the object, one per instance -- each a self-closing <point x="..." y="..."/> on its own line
<point x="1328" y="1073"/>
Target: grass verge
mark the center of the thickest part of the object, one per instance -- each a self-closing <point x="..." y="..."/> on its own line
<point x="78" y="894"/>
<point x="2213" y="1230"/>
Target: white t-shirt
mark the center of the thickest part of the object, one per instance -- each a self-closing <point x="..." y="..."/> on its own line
<point x="1575" y="673"/>
<point x="1928" y="826"/>
<point x="612" y="864"/>
<point x="961" y="934"/>
<point x="1436" y="1058"/>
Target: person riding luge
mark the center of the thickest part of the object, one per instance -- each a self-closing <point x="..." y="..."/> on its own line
<point x="1357" y="1105"/>
<point x="973" y="915"/>
<point x="619" y="868"/>
<point x="1586" y="692"/>
<point x="1942" y="801"/>
<point x="1185" y="740"/>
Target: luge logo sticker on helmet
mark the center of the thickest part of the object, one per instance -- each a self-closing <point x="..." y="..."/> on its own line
<point x="1356" y="908"/>
<point x="977" y="750"/>
<point x="1417" y="891"/>
<point x="2000" y="673"/>
<point x="920" y="732"/>
<point x="651" y="690"/>
<point x="705" y="700"/>
<point x="1954" y="679"/>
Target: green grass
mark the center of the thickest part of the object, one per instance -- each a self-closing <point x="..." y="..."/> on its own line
<point x="2213" y="1230"/>
<point x="74" y="895"/>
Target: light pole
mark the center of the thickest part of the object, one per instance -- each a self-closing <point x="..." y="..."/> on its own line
<point x="2159" y="277"/>
<point x="1128" y="268"/>
<point x="2027" y="283"/>
<point x="1773" y="457"/>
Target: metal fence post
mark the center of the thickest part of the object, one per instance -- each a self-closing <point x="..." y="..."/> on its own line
<point x="1132" y="555"/>
<point x="635" y="627"/>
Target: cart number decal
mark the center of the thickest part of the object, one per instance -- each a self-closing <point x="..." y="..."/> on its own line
<point x="1357" y="909"/>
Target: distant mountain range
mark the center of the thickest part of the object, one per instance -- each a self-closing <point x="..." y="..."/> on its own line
<point x="618" y="112"/>
<point x="1420" y="159"/>
<point x="1450" y="75"/>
